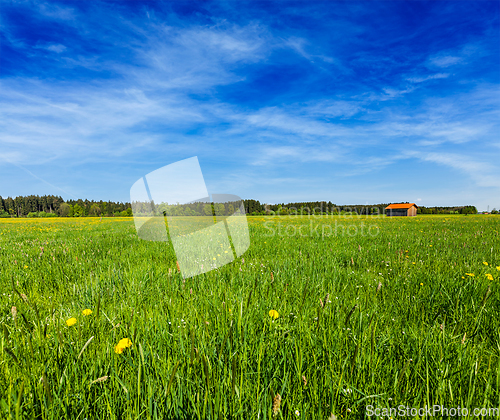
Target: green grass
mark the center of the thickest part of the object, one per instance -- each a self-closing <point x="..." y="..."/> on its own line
<point x="377" y="317"/>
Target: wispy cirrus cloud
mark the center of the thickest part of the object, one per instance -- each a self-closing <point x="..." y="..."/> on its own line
<point x="430" y="77"/>
<point x="445" y="60"/>
<point x="485" y="174"/>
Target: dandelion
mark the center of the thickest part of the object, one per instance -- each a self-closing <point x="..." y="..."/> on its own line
<point x="87" y="312"/>
<point x="122" y="345"/>
<point x="274" y="314"/>
<point x="421" y="284"/>
<point x="485" y="263"/>
<point x="489" y="276"/>
<point x="469" y="274"/>
<point x="70" y="322"/>
<point x="498" y="268"/>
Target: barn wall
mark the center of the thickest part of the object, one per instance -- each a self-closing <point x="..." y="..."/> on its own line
<point x="412" y="211"/>
<point x="396" y="212"/>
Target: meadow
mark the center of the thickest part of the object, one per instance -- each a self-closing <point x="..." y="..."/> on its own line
<point x="363" y="311"/>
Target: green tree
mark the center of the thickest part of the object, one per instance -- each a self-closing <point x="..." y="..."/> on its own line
<point x="78" y="211"/>
<point x="64" y="210"/>
<point x="126" y="213"/>
<point x="95" y="210"/>
<point x="207" y="210"/>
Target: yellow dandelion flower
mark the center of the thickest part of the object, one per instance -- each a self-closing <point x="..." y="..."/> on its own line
<point x="485" y="263"/>
<point x="498" y="268"/>
<point x="122" y="345"/>
<point x="87" y="312"/>
<point x="119" y="350"/>
<point x="421" y="284"/>
<point x="70" y="322"/>
<point x="274" y="314"/>
<point x="489" y="276"/>
<point x="469" y="274"/>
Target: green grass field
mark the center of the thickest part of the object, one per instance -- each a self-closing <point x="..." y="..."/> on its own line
<point x="379" y="312"/>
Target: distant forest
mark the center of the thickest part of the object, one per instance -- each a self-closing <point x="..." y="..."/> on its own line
<point x="55" y="206"/>
<point x="323" y="207"/>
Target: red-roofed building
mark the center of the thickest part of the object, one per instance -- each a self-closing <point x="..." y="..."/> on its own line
<point x="401" y="209"/>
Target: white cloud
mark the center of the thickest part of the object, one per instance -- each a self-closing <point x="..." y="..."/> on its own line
<point x="425" y="78"/>
<point x="55" y="11"/>
<point x="445" y="60"/>
<point x="57" y="48"/>
<point x="276" y="155"/>
<point x="463" y="55"/>
<point x="483" y="173"/>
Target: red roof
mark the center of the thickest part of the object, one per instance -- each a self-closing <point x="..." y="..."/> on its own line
<point x="401" y="206"/>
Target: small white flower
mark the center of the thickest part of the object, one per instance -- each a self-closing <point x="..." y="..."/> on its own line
<point x="297" y="413"/>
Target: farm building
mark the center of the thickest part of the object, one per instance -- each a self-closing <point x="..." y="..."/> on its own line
<point x="403" y="209"/>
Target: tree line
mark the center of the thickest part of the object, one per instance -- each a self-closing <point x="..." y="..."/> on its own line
<point x="55" y="206"/>
<point x="254" y="207"/>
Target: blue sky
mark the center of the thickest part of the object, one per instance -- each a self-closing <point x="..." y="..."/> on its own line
<point x="353" y="102"/>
